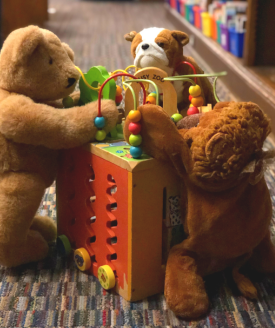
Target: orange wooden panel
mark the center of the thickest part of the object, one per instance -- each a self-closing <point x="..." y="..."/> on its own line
<point x="92" y="203"/>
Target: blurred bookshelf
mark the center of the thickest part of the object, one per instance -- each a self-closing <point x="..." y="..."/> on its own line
<point x="20" y="13"/>
<point x="251" y="70"/>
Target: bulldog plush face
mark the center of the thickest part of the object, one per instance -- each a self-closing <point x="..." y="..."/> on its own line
<point x="157" y="47"/>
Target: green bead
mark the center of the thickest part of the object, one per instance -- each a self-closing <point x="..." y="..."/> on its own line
<point x="68" y="102"/>
<point x="176" y="117"/>
<point x="100" y="135"/>
<point x="135" y="139"/>
<point x="152" y="95"/>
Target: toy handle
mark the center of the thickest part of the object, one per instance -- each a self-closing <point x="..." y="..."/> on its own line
<point x="112" y="77"/>
<point x="189" y="64"/>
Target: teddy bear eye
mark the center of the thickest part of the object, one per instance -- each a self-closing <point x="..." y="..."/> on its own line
<point x="160" y="44"/>
<point x="50" y="61"/>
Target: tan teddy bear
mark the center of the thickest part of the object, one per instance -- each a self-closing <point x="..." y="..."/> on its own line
<point x="36" y="68"/>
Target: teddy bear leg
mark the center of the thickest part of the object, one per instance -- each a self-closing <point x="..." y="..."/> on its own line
<point x="46" y="226"/>
<point x="244" y="285"/>
<point x="263" y="257"/>
<point x="184" y="287"/>
<point x="20" y="195"/>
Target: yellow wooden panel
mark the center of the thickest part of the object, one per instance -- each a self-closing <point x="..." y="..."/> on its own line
<point x="156" y="75"/>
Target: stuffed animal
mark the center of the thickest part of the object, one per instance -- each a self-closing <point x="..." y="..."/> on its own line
<point x="162" y="48"/>
<point x="219" y="161"/>
<point x="36" y="68"/>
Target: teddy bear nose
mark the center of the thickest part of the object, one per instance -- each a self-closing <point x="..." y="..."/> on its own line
<point x="145" y="46"/>
<point x="71" y="81"/>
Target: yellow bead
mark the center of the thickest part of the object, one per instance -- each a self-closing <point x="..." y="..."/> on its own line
<point x="106" y="277"/>
<point x="82" y="259"/>
<point x="134" y="115"/>
<point x="195" y="90"/>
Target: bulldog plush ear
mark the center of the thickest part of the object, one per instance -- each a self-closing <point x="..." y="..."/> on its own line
<point x="130" y="36"/>
<point x="181" y="37"/>
<point x="69" y="51"/>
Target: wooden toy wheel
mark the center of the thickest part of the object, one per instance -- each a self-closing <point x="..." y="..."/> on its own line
<point x="63" y="245"/>
<point x="82" y="259"/>
<point x="106" y="277"/>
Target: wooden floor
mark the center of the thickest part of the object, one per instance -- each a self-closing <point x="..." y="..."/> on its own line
<point x="95" y="30"/>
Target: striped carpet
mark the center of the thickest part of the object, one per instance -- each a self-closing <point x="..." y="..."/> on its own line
<point x="53" y="292"/>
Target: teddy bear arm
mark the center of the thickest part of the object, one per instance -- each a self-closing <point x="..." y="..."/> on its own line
<point x="24" y="121"/>
<point x="161" y="139"/>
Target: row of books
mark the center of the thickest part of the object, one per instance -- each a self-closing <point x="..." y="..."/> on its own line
<point x="223" y="21"/>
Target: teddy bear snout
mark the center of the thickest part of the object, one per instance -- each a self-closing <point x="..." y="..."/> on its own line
<point x="71" y="81"/>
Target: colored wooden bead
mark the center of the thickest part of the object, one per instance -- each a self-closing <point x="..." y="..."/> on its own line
<point x="134" y="115"/>
<point x="152" y="94"/>
<point x="136" y="152"/>
<point x="195" y="90"/>
<point x="118" y="90"/>
<point x="150" y="100"/>
<point x="197" y="101"/>
<point x="190" y="97"/>
<point x="100" y="122"/>
<point x="176" y="117"/>
<point x="134" y="128"/>
<point x="135" y="140"/>
<point x="100" y="135"/>
<point x="118" y="99"/>
<point x="192" y="111"/>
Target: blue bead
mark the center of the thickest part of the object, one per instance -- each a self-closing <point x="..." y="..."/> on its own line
<point x="153" y="92"/>
<point x="136" y="152"/>
<point x="100" y="122"/>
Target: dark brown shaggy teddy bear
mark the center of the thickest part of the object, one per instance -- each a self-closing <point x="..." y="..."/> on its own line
<point x="228" y="207"/>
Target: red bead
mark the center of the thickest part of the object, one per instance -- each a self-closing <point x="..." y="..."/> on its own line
<point x="134" y="128"/>
<point x="192" y="111"/>
<point x="190" y="97"/>
<point x="118" y="99"/>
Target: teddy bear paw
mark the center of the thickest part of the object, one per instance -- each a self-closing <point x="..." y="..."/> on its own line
<point x="46" y="226"/>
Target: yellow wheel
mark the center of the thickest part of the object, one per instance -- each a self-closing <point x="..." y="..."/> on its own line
<point x="82" y="259"/>
<point x="106" y="277"/>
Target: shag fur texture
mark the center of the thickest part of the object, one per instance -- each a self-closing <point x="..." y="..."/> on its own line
<point x="162" y="48"/>
<point x="36" y="68"/>
<point x="227" y="216"/>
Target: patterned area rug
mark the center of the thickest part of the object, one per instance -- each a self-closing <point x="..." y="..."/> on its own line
<point x="53" y="292"/>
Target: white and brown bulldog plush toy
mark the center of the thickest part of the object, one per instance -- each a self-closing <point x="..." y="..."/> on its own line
<point x="162" y="48"/>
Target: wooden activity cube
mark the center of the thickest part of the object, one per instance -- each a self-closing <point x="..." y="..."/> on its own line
<point x="115" y="207"/>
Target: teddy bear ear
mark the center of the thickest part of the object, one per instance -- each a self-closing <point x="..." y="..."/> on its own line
<point x="181" y="37"/>
<point x="25" y="42"/>
<point x="69" y="51"/>
<point x="130" y="36"/>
